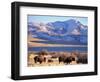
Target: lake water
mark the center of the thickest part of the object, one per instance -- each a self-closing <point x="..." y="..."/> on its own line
<point x="69" y="49"/>
<point x="61" y="42"/>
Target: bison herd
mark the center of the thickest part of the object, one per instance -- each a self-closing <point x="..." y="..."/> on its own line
<point x="76" y="57"/>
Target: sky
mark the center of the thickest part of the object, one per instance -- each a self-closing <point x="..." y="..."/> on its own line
<point x="46" y="19"/>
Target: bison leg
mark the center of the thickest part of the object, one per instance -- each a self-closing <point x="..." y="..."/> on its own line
<point x="40" y="62"/>
<point x="35" y="59"/>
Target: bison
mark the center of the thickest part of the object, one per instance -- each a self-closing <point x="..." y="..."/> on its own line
<point x="61" y="59"/>
<point x="82" y="58"/>
<point x="66" y="60"/>
<point x="39" y="59"/>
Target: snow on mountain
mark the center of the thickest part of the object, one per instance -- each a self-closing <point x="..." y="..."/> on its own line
<point x="75" y="32"/>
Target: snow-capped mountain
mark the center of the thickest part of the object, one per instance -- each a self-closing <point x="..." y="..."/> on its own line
<point x="70" y="30"/>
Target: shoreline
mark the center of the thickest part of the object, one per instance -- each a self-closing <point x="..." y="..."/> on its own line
<point x="69" y="52"/>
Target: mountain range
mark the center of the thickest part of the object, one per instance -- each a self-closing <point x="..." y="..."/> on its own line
<point x="67" y="31"/>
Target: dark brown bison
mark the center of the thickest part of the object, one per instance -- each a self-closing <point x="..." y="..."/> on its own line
<point x="82" y="58"/>
<point x="39" y="59"/>
<point x="36" y="59"/>
<point x="66" y="60"/>
<point x="61" y="59"/>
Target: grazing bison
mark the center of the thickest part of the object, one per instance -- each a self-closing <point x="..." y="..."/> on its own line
<point x="39" y="59"/>
<point x="82" y="58"/>
<point x="66" y="60"/>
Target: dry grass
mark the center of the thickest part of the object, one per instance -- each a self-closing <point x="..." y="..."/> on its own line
<point x="31" y="62"/>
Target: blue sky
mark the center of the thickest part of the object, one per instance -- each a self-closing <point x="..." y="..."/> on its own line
<point x="46" y="19"/>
